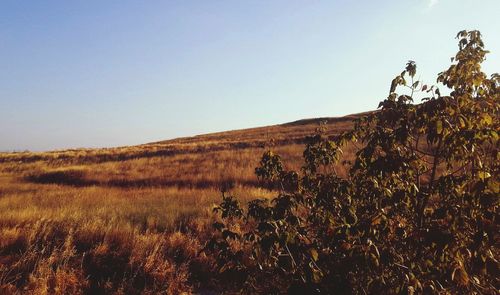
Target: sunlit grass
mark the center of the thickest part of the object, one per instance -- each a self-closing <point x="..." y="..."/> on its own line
<point x="127" y="220"/>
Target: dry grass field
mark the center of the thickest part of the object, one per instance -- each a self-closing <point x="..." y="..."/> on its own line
<point x="133" y="219"/>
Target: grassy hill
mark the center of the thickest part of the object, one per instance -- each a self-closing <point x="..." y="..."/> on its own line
<point x="199" y="161"/>
<point x="115" y="218"/>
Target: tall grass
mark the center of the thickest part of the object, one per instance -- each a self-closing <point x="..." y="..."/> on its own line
<point x="126" y="220"/>
<point x="57" y="239"/>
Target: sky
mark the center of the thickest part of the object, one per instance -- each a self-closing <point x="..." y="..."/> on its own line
<point x="95" y="73"/>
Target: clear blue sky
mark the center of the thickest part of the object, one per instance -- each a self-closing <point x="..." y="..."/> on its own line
<point x="110" y="73"/>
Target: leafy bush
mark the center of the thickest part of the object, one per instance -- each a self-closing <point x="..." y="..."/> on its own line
<point x="418" y="212"/>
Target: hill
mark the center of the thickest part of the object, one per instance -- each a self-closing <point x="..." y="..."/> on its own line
<point x="207" y="160"/>
<point x="292" y="132"/>
<point x="81" y="217"/>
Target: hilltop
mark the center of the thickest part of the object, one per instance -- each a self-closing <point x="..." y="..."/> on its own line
<point x="258" y="137"/>
<point x="203" y="161"/>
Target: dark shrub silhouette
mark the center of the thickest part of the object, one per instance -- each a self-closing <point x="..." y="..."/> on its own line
<point x="418" y="212"/>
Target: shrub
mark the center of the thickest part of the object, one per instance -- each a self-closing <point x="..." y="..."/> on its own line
<point x="418" y="212"/>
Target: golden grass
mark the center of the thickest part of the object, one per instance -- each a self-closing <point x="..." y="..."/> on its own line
<point x="132" y="219"/>
<point x="195" y="170"/>
<point x="57" y="239"/>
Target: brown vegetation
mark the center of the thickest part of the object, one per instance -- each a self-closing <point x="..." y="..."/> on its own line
<point x="132" y="219"/>
<point x="403" y="202"/>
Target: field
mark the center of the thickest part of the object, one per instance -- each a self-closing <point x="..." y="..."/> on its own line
<point x="132" y="219"/>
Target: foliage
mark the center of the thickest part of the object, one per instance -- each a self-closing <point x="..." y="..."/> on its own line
<point x="418" y="212"/>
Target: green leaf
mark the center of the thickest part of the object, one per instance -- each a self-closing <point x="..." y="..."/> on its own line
<point x="314" y="254"/>
<point x="487" y="119"/>
<point x="394" y="84"/>
<point x="461" y="121"/>
<point x="494" y="135"/>
<point x="483" y="175"/>
<point x="439" y="127"/>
